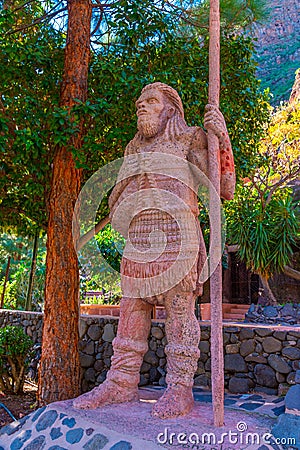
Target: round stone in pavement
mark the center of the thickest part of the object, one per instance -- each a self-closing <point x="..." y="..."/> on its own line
<point x="37" y="443"/>
<point x="38" y="413"/>
<point x="46" y="420"/>
<point x="74" y="436"/>
<point x="96" y="443"/>
<point x="122" y="445"/>
<point x="69" y="422"/>
<point x="55" y="433"/>
<point x="19" y="441"/>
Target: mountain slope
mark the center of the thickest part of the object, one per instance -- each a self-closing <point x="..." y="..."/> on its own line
<point x="278" y="48"/>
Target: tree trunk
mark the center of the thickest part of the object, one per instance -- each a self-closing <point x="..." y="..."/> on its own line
<point x="59" y="375"/>
<point x="28" y="303"/>
<point x="217" y="364"/>
<point x="267" y="290"/>
<point x="292" y="273"/>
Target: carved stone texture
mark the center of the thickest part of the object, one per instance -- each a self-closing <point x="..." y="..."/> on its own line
<point x="154" y="205"/>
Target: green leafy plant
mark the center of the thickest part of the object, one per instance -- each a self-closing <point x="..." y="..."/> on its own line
<point x="15" y="348"/>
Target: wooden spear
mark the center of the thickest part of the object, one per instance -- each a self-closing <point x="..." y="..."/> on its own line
<point x="217" y="363"/>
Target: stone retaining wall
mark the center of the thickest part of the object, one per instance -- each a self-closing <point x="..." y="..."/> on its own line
<point x="263" y="358"/>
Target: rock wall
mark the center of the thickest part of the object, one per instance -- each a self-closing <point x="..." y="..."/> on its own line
<point x="288" y="314"/>
<point x="278" y="47"/>
<point x="261" y="358"/>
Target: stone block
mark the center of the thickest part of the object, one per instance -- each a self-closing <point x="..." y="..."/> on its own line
<point x="256" y="358"/>
<point x="204" y="347"/>
<point x="262" y="332"/>
<point x="265" y="376"/>
<point x="291" y="352"/>
<point x="153" y="375"/>
<point x="247" y="347"/>
<point x="246" y="333"/>
<point x="160" y="352"/>
<point x="157" y="332"/>
<point x="291" y="378"/>
<point x="280" y="377"/>
<point x="94" y="332"/>
<point x="86" y="360"/>
<point x="235" y="363"/>
<point x="153" y="345"/>
<point x="270" y="311"/>
<point x="151" y="358"/>
<point x="234" y="339"/>
<point x="207" y="365"/>
<point x="145" y="367"/>
<point x="238" y="385"/>
<point x="89" y="348"/>
<point x="288" y="310"/>
<point x="201" y="380"/>
<point x="279" y="364"/>
<point x="143" y="380"/>
<point x="90" y="375"/>
<point x="281" y="335"/>
<point x="108" y="333"/>
<point x="99" y="365"/>
<point x="271" y="345"/>
<point x="82" y="328"/>
<point x="232" y="348"/>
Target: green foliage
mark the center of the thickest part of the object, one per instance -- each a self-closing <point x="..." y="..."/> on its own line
<point x="140" y="44"/>
<point x="265" y="236"/>
<point x="116" y="80"/>
<point x="29" y="93"/>
<point x="10" y="295"/>
<point x="102" y="274"/>
<point x="263" y="218"/>
<point x="111" y="244"/>
<point x="15" y="348"/>
<point x="14" y="341"/>
<point x="235" y="14"/>
<point x="20" y="251"/>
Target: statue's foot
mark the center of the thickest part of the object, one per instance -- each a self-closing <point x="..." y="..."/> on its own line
<point x="176" y="401"/>
<point x="106" y="394"/>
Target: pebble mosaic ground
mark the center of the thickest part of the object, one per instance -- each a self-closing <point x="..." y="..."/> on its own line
<point x="130" y="426"/>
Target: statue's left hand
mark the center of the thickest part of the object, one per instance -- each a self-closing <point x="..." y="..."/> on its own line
<point x="214" y="121"/>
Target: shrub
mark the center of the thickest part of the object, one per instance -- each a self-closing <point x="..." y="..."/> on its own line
<point x="15" y="348"/>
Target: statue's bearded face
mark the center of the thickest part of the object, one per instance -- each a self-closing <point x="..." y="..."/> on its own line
<point x="152" y="113"/>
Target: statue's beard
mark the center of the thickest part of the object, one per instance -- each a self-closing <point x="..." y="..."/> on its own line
<point x="147" y="126"/>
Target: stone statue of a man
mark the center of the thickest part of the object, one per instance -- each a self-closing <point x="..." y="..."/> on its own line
<point x="162" y="133"/>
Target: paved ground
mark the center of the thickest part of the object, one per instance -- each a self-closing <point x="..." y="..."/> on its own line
<point x="248" y="423"/>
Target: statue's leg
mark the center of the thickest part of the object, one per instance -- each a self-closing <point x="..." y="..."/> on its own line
<point x="130" y="345"/>
<point x="183" y="335"/>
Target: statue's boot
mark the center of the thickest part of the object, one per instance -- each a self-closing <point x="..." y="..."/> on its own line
<point x="183" y="335"/>
<point x="121" y="384"/>
<point x="130" y="345"/>
<point x="178" y="398"/>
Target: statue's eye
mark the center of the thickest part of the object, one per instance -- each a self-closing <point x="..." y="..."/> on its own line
<point x="152" y="100"/>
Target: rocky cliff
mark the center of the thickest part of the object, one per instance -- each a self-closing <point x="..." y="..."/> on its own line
<point x="278" y="47"/>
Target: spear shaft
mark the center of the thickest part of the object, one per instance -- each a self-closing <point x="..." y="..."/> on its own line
<point x="217" y="363"/>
